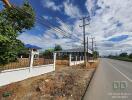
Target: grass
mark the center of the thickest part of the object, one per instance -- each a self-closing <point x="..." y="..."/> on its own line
<point x="7" y="94"/>
<point x="123" y="58"/>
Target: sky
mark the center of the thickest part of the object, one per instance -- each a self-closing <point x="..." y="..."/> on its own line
<point x="110" y="23"/>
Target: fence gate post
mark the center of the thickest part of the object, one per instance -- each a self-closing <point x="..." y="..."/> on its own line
<point x="69" y="59"/>
<point x="54" y="60"/>
<point x="31" y="59"/>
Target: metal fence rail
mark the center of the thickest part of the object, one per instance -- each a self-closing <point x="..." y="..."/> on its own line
<point x="20" y="63"/>
<point x="42" y="61"/>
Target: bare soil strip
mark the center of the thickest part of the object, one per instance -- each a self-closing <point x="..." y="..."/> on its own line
<point x="66" y="83"/>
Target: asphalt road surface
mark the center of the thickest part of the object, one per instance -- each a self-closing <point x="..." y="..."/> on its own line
<point x="112" y="81"/>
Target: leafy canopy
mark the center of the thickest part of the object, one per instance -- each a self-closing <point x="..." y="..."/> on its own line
<point x="13" y="21"/>
<point x="123" y="54"/>
<point x="49" y="52"/>
<point x="57" y="48"/>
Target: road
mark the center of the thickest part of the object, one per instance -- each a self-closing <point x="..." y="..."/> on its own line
<point x="112" y="81"/>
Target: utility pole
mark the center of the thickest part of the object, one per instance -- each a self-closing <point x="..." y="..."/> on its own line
<point x="6" y="2"/>
<point x="87" y="50"/>
<point x="96" y="49"/>
<point x="93" y="45"/>
<point x="84" y="25"/>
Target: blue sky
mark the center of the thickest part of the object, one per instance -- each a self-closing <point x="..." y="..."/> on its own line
<point x="119" y="38"/>
<point x="110" y="24"/>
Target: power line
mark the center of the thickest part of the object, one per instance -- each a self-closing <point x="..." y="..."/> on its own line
<point x="9" y="5"/>
<point x="50" y="25"/>
<point x="56" y="27"/>
<point x="67" y="27"/>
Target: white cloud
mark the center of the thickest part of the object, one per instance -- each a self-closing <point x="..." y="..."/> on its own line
<point x="104" y="24"/>
<point x="48" y="40"/>
<point x="49" y="37"/>
<point x="50" y="4"/>
<point x="47" y="17"/>
<point x="71" y="10"/>
<point x="91" y="6"/>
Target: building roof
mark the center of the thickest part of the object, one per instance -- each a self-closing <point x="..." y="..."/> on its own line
<point x="74" y="50"/>
<point x="31" y="46"/>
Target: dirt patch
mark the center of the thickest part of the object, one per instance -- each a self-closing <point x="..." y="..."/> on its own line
<point x="90" y="65"/>
<point x="62" y="62"/>
<point x="68" y="83"/>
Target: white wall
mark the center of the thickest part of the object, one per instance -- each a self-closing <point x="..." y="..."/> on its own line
<point x="76" y="62"/>
<point x="9" y="76"/>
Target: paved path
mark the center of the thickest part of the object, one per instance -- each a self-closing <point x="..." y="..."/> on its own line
<point x="112" y="81"/>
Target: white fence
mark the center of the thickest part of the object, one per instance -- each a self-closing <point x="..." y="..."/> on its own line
<point x="76" y="62"/>
<point x="71" y="63"/>
<point x="14" y="75"/>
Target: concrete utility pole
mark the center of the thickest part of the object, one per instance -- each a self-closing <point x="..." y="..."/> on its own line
<point x="6" y="2"/>
<point x="87" y="49"/>
<point x="96" y="49"/>
<point x="84" y="24"/>
<point x="93" y="44"/>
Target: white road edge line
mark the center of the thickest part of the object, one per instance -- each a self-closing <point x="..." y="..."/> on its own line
<point x="121" y="72"/>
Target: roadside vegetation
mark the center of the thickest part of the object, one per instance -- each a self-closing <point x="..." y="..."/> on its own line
<point x="48" y="53"/>
<point x="13" y="21"/>
<point x="123" y="56"/>
<point x="95" y="54"/>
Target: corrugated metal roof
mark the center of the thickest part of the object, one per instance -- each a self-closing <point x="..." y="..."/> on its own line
<point x="75" y="50"/>
<point x="31" y="46"/>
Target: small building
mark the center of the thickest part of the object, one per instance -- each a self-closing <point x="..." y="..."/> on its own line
<point x="79" y="52"/>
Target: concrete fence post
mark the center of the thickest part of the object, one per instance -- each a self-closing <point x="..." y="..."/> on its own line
<point x="76" y="60"/>
<point x="69" y="59"/>
<point x="54" y="60"/>
<point x="83" y="58"/>
<point x="80" y="58"/>
<point x="31" y="60"/>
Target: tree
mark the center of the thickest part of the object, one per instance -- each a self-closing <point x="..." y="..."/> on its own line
<point x="95" y="54"/>
<point x="24" y="52"/>
<point x="48" y="53"/>
<point x="57" y="48"/>
<point x="130" y="56"/>
<point x="123" y="54"/>
<point x="13" y="21"/>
